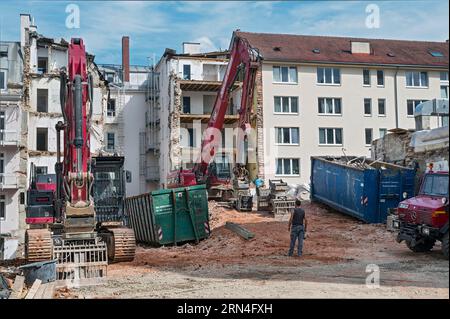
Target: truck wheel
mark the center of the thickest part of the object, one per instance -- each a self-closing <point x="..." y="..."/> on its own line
<point x="422" y="247"/>
<point x="445" y="245"/>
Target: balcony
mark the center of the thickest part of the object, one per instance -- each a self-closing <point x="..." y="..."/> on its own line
<point x="9" y="138"/>
<point x="152" y="173"/>
<point x="8" y="181"/>
<point x="204" y="118"/>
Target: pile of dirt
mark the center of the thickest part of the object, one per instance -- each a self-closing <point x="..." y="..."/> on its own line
<point x="331" y="238"/>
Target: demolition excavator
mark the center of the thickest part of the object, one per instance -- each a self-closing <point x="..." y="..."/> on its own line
<point x="82" y="226"/>
<point x="243" y="65"/>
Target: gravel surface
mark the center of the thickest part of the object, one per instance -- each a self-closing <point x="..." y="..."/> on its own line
<point x="337" y="252"/>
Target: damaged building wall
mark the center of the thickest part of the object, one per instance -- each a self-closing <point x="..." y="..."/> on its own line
<point x="414" y="149"/>
<point x="174" y="122"/>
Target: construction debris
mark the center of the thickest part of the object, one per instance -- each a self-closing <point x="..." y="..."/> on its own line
<point x="17" y="288"/>
<point x="33" y="290"/>
<point x="4" y="288"/>
<point x="241" y="231"/>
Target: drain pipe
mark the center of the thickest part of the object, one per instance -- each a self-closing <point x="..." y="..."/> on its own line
<point x="396" y="97"/>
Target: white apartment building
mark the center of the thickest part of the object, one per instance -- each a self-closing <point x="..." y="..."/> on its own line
<point x="331" y="95"/>
<point x="12" y="178"/>
<point x="131" y="120"/>
<point x="189" y="83"/>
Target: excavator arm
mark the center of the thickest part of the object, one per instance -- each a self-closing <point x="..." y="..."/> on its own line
<point x="243" y="65"/>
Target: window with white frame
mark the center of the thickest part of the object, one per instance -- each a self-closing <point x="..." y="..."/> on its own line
<point x="111" y="108"/>
<point x="285" y="104"/>
<point x="411" y="106"/>
<point x="2" y="207"/>
<point x="110" y="141"/>
<point x="380" y="77"/>
<point x="330" y="105"/>
<point x="367" y="107"/>
<point x="366" y="77"/>
<point x="42" y="65"/>
<point x="285" y="74"/>
<point x="330" y="136"/>
<point x="416" y="79"/>
<point x="383" y="132"/>
<point x="368" y="136"/>
<point x="444" y="91"/>
<point x="3" y="79"/>
<point x="381" y="107"/>
<point x="328" y="76"/>
<point x="287" y="135"/>
<point x="42" y="100"/>
<point x="444" y="76"/>
<point x="287" y="166"/>
<point x="186" y="72"/>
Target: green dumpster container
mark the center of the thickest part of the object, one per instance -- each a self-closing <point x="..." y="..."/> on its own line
<point x="169" y="216"/>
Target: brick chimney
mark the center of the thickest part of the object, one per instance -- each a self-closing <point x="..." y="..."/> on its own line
<point x="125" y="59"/>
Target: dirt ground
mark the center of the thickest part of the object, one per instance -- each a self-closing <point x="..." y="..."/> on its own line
<point x="337" y="251"/>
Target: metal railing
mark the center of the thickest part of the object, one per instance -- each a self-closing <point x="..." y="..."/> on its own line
<point x="8" y="181"/>
<point x="9" y="137"/>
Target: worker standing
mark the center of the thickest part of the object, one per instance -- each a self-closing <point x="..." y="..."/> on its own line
<point x="297" y="227"/>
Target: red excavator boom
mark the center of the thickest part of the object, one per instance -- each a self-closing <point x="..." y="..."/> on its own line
<point x="243" y="64"/>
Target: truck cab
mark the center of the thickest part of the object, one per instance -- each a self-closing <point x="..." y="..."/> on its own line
<point x="422" y="220"/>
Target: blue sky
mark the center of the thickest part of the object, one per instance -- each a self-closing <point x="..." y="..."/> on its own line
<point x="154" y="26"/>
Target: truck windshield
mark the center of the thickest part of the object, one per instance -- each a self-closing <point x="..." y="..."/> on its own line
<point x="435" y="185"/>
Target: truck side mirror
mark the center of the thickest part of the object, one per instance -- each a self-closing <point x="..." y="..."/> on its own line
<point x="128" y="176"/>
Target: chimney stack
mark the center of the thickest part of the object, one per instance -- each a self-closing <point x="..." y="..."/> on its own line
<point x="125" y="59"/>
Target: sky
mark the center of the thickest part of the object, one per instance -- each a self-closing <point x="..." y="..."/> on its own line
<point x="153" y="26"/>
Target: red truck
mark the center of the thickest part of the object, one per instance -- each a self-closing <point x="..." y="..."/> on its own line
<point x="422" y="220"/>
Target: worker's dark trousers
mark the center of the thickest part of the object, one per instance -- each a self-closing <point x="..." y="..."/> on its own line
<point x="297" y="232"/>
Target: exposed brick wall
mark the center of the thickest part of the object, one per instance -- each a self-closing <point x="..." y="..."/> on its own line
<point x="259" y="123"/>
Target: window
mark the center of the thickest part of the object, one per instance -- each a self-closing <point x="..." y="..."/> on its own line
<point x="380" y="77"/>
<point x="2" y="207"/>
<point x="444" y="76"/>
<point x="330" y="136"/>
<point x="110" y="141"/>
<point x="41" y="139"/>
<point x="2" y="166"/>
<point x="436" y="54"/>
<point x="330" y="106"/>
<point x="186" y="71"/>
<point x="417" y="79"/>
<point x="286" y="104"/>
<point x="2" y="79"/>
<point x="287" y="135"/>
<point x="328" y="76"/>
<point x="368" y="135"/>
<point x="191" y="132"/>
<point x="383" y="132"/>
<point x="186" y="104"/>
<point x="287" y="166"/>
<point x="42" y="65"/>
<point x="42" y="100"/>
<point x="381" y="107"/>
<point x="366" y="77"/>
<point x="367" y="107"/>
<point x="285" y="74"/>
<point x="444" y="91"/>
<point x="109" y="77"/>
<point x="41" y="170"/>
<point x="111" y="108"/>
<point x="411" y="106"/>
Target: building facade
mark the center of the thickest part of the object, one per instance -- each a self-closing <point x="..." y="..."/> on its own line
<point x="12" y="174"/>
<point x="333" y="96"/>
<point x="189" y="83"/>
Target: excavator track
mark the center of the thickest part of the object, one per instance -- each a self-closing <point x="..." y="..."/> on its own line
<point x="38" y="245"/>
<point x="121" y="244"/>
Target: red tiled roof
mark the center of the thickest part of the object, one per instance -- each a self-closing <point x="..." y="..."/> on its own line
<point x="299" y="48"/>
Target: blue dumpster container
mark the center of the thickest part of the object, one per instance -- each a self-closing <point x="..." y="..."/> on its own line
<point x="365" y="193"/>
